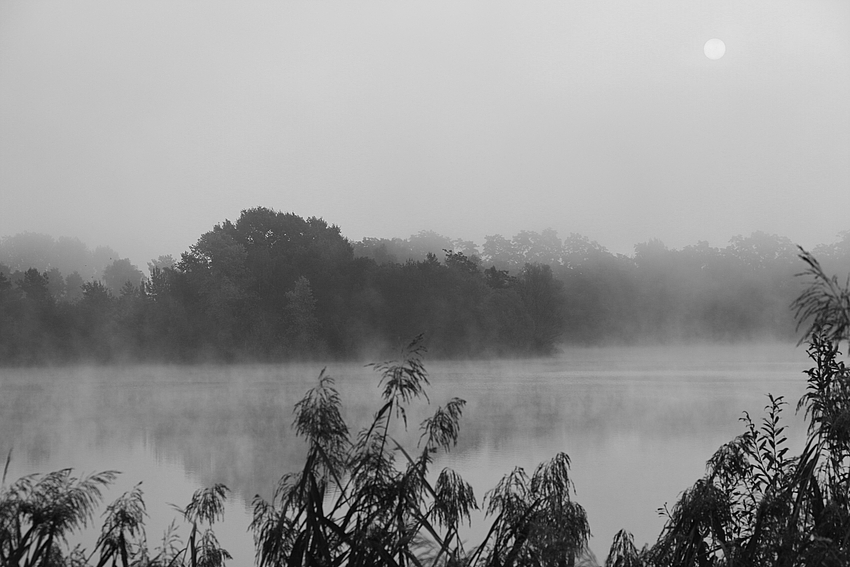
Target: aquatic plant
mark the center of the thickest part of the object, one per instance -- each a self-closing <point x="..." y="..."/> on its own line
<point x="537" y="523"/>
<point x="758" y="506"/>
<point x="39" y="512"/>
<point x="824" y="307"/>
<point x="370" y="501"/>
<point x="623" y="552"/>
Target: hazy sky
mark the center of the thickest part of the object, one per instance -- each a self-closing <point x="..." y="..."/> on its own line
<point x="141" y="125"/>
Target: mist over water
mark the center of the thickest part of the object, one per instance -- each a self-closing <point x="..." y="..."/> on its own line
<point x="638" y="424"/>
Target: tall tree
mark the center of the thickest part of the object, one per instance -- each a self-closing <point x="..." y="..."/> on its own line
<point x="73" y="287"/>
<point x="543" y="297"/>
<point x="120" y="272"/>
<point x="302" y="326"/>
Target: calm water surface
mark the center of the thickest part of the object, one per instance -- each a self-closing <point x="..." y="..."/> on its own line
<point x="637" y="423"/>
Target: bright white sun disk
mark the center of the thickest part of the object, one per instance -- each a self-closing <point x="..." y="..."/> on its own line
<point x="714" y="48"/>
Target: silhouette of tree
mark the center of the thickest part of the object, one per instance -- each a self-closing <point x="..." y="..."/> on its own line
<point x="119" y="273"/>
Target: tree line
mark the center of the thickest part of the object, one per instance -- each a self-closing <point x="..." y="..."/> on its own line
<point x="275" y="286"/>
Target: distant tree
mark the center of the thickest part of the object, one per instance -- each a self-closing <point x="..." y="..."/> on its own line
<point x="55" y="284"/>
<point x="761" y="250"/>
<point x="302" y="332"/>
<point x="128" y="290"/>
<point x="119" y="273"/>
<point x="767" y="281"/>
<point x="381" y="250"/>
<point x="415" y="248"/>
<point x="579" y="250"/>
<point x="507" y="321"/>
<point x="544" y="248"/>
<point x="96" y="323"/>
<point x="158" y="284"/>
<point x="32" y="317"/>
<point x="27" y="250"/>
<point x="467" y="247"/>
<point x="497" y="279"/>
<point x="214" y="286"/>
<point x="835" y="257"/>
<point x="427" y="242"/>
<point x="8" y="332"/>
<point x="501" y="253"/>
<point x="129" y="318"/>
<point x="462" y="262"/>
<point x="5" y="283"/>
<point x="162" y="262"/>
<point x="35" y="286"/>
<point x="282" y="247"/>
<point x="216" y="252"/>
<point x="100" y="259"/>
<point x="43" y="252"/>
<point x="543" y="297"/>
<point x="95" y="293"/>
<point x="73" y="287"/>
<point x="72" y="255"/>
<point x="651" y="253"/>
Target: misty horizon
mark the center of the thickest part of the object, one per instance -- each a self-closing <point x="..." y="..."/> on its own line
<point x="201" y="202"/>
<point x="140" y="126"/>
<point x="110" y="253"/>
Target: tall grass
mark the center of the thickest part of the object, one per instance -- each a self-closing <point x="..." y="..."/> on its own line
<point x="367" y="500"/>
<point x="38" y="513"/>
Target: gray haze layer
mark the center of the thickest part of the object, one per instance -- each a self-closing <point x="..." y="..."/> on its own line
<point x="139" y="126"/>
<point x="638" y="423"/>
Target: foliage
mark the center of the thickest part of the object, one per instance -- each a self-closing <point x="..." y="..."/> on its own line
<point x="735" y="514"/>
<point x="39" y="512"/>
<point x="275" y="286"/>
<point x="623" y="552"/>
<point x="824" y="307"/>
<point x="536" y="523"/>
<point x="350" y="504"/>
<point x="120" y="272"/>
<point x="354" y="503"/>
<point x="302" y="333"/>
<point x="758" y="506"/>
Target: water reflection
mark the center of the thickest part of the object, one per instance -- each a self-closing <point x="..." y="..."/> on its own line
<point x="638" y="423"/>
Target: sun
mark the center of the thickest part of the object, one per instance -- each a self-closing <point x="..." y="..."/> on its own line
<point x="714" y="48"/>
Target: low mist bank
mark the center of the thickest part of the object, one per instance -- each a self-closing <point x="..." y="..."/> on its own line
<point x="275" y="286"/>
<point x="636" y="422"/>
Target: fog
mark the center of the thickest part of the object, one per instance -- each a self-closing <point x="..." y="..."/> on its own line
<point x="638" y="423"/>
<point x="613" y="217"/>
<point x="272" y="286"/>
<point x="139" y="126"/>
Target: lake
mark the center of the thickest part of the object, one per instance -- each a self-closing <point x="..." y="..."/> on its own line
<point x="638" y="423"/>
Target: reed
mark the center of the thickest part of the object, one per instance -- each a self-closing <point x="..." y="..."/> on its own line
<point x="367" y="500"/>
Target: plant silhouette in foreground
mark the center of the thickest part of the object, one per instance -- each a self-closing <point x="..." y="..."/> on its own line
<point x="537" y="522"/>
<point x="369" y="501"/>
<point x="39" y="512"/>
<point x="756" y="505"/>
